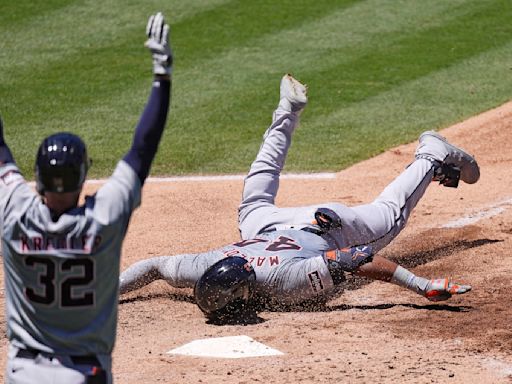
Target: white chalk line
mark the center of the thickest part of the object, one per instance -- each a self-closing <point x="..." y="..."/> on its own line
<point x="177" y="179"/>
<point x="173" y="179"/>
<point x="503" y="368"/>
<point x="485" y="213"/>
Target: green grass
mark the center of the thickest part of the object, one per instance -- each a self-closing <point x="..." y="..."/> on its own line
<point x="379" y="72"/>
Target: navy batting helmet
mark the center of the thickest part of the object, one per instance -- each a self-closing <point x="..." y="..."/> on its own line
<point x="61" y="163"/>
<point x="225" y="287"/>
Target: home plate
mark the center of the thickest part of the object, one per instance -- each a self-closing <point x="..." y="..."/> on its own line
<point x="231" y="347"/>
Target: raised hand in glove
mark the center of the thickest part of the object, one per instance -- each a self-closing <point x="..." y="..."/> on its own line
<point x="157" y="42"/>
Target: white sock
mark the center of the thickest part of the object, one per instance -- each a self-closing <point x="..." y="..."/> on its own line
<point x="409" y="280"/>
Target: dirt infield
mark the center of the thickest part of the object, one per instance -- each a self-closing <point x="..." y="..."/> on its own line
<point x="373" y="333"/>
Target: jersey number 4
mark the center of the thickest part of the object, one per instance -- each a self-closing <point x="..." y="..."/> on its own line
<point x="282" y="243"/>
<point x="73" y="274"/>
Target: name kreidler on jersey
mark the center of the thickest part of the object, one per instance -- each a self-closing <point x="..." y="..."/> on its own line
<point x="86" y="243"/>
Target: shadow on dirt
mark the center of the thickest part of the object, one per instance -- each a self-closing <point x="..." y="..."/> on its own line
<point x="249" y="317"/>
<point x="154" y="296"/>
<point x="413" y="259"/>
<point x="323" y="307"/>
<point x="429" y="307"/>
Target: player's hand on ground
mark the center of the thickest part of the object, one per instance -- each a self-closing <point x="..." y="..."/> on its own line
<point x="443" y="289"/>
<point x="158" y="43"/>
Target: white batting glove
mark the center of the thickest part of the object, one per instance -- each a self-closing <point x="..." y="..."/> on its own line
<point x="157" y="42"/>
<point x="443" y="289"/>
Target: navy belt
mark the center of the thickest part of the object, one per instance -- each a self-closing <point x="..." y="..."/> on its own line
<point x="77" y="360"/>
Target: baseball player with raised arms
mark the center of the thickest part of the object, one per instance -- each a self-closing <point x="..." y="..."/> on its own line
<point x="291" y="255"/>
<point x="61" y="260"/>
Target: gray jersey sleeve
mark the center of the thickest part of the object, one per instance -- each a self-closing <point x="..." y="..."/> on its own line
<point x="179" y="271"/>
<point x="119" y="196"/>
<point x="15" y="193"/>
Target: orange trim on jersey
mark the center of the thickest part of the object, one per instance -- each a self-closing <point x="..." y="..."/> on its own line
<point x="331" y="255"/>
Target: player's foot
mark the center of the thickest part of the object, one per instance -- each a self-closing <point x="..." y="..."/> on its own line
<point x="443" y="289"/>
<point x="293" y="96"/>
<point x="453" y="160"/>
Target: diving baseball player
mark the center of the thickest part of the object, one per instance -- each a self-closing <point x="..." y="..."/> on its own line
<point x="302" y="253"/>
<point x="375" y="224"/>
<point x="61" y="260"/>
<point x="277" y="268"/>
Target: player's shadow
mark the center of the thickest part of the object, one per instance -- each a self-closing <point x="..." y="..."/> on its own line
<point x="413" y="259"/>
<point x="248" y="317"/>
<point x="429" y="307"/>
<point x="323" y="306"/>
<point x="163" y="295"/>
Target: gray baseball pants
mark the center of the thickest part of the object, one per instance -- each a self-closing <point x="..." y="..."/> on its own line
<point x="376" y="223"/>
<point x="43" y="368"/>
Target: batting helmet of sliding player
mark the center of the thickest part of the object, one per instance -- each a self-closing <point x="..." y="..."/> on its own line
<point x="225" y="288"/>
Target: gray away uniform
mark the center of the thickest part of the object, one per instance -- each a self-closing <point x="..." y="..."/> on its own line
<point x="62" y="261"/>
<point x="301" y="274"/>
<point x="375" y="224"/>
<point x="290" y="266"/>
<point x="61" y="277"/>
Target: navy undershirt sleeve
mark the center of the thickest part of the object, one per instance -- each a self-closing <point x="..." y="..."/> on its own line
<point x="149" y="129"/>
<point x="5" y="152"/>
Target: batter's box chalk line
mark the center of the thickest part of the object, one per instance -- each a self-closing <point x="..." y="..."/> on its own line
<point x="485" y="213"/>
<point x="230" y="347"/>
<point x="174" y="179"/>
<point x="502" y="368"/>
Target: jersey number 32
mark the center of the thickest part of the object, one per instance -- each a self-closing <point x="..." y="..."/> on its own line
<point x="61" y="282"/>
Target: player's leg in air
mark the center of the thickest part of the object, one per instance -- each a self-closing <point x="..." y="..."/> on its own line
<point x="262" y="182"/>
<point x="376" y="223"/>
<point x="435" y="160"/>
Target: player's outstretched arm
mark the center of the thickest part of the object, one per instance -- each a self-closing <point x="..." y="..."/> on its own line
<point x="179" y="271"/>
<point x="152" y="122"/>
<point x="380" y="268"/>
<point x="5" y="152"/>
<point x="142" y="273"/>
